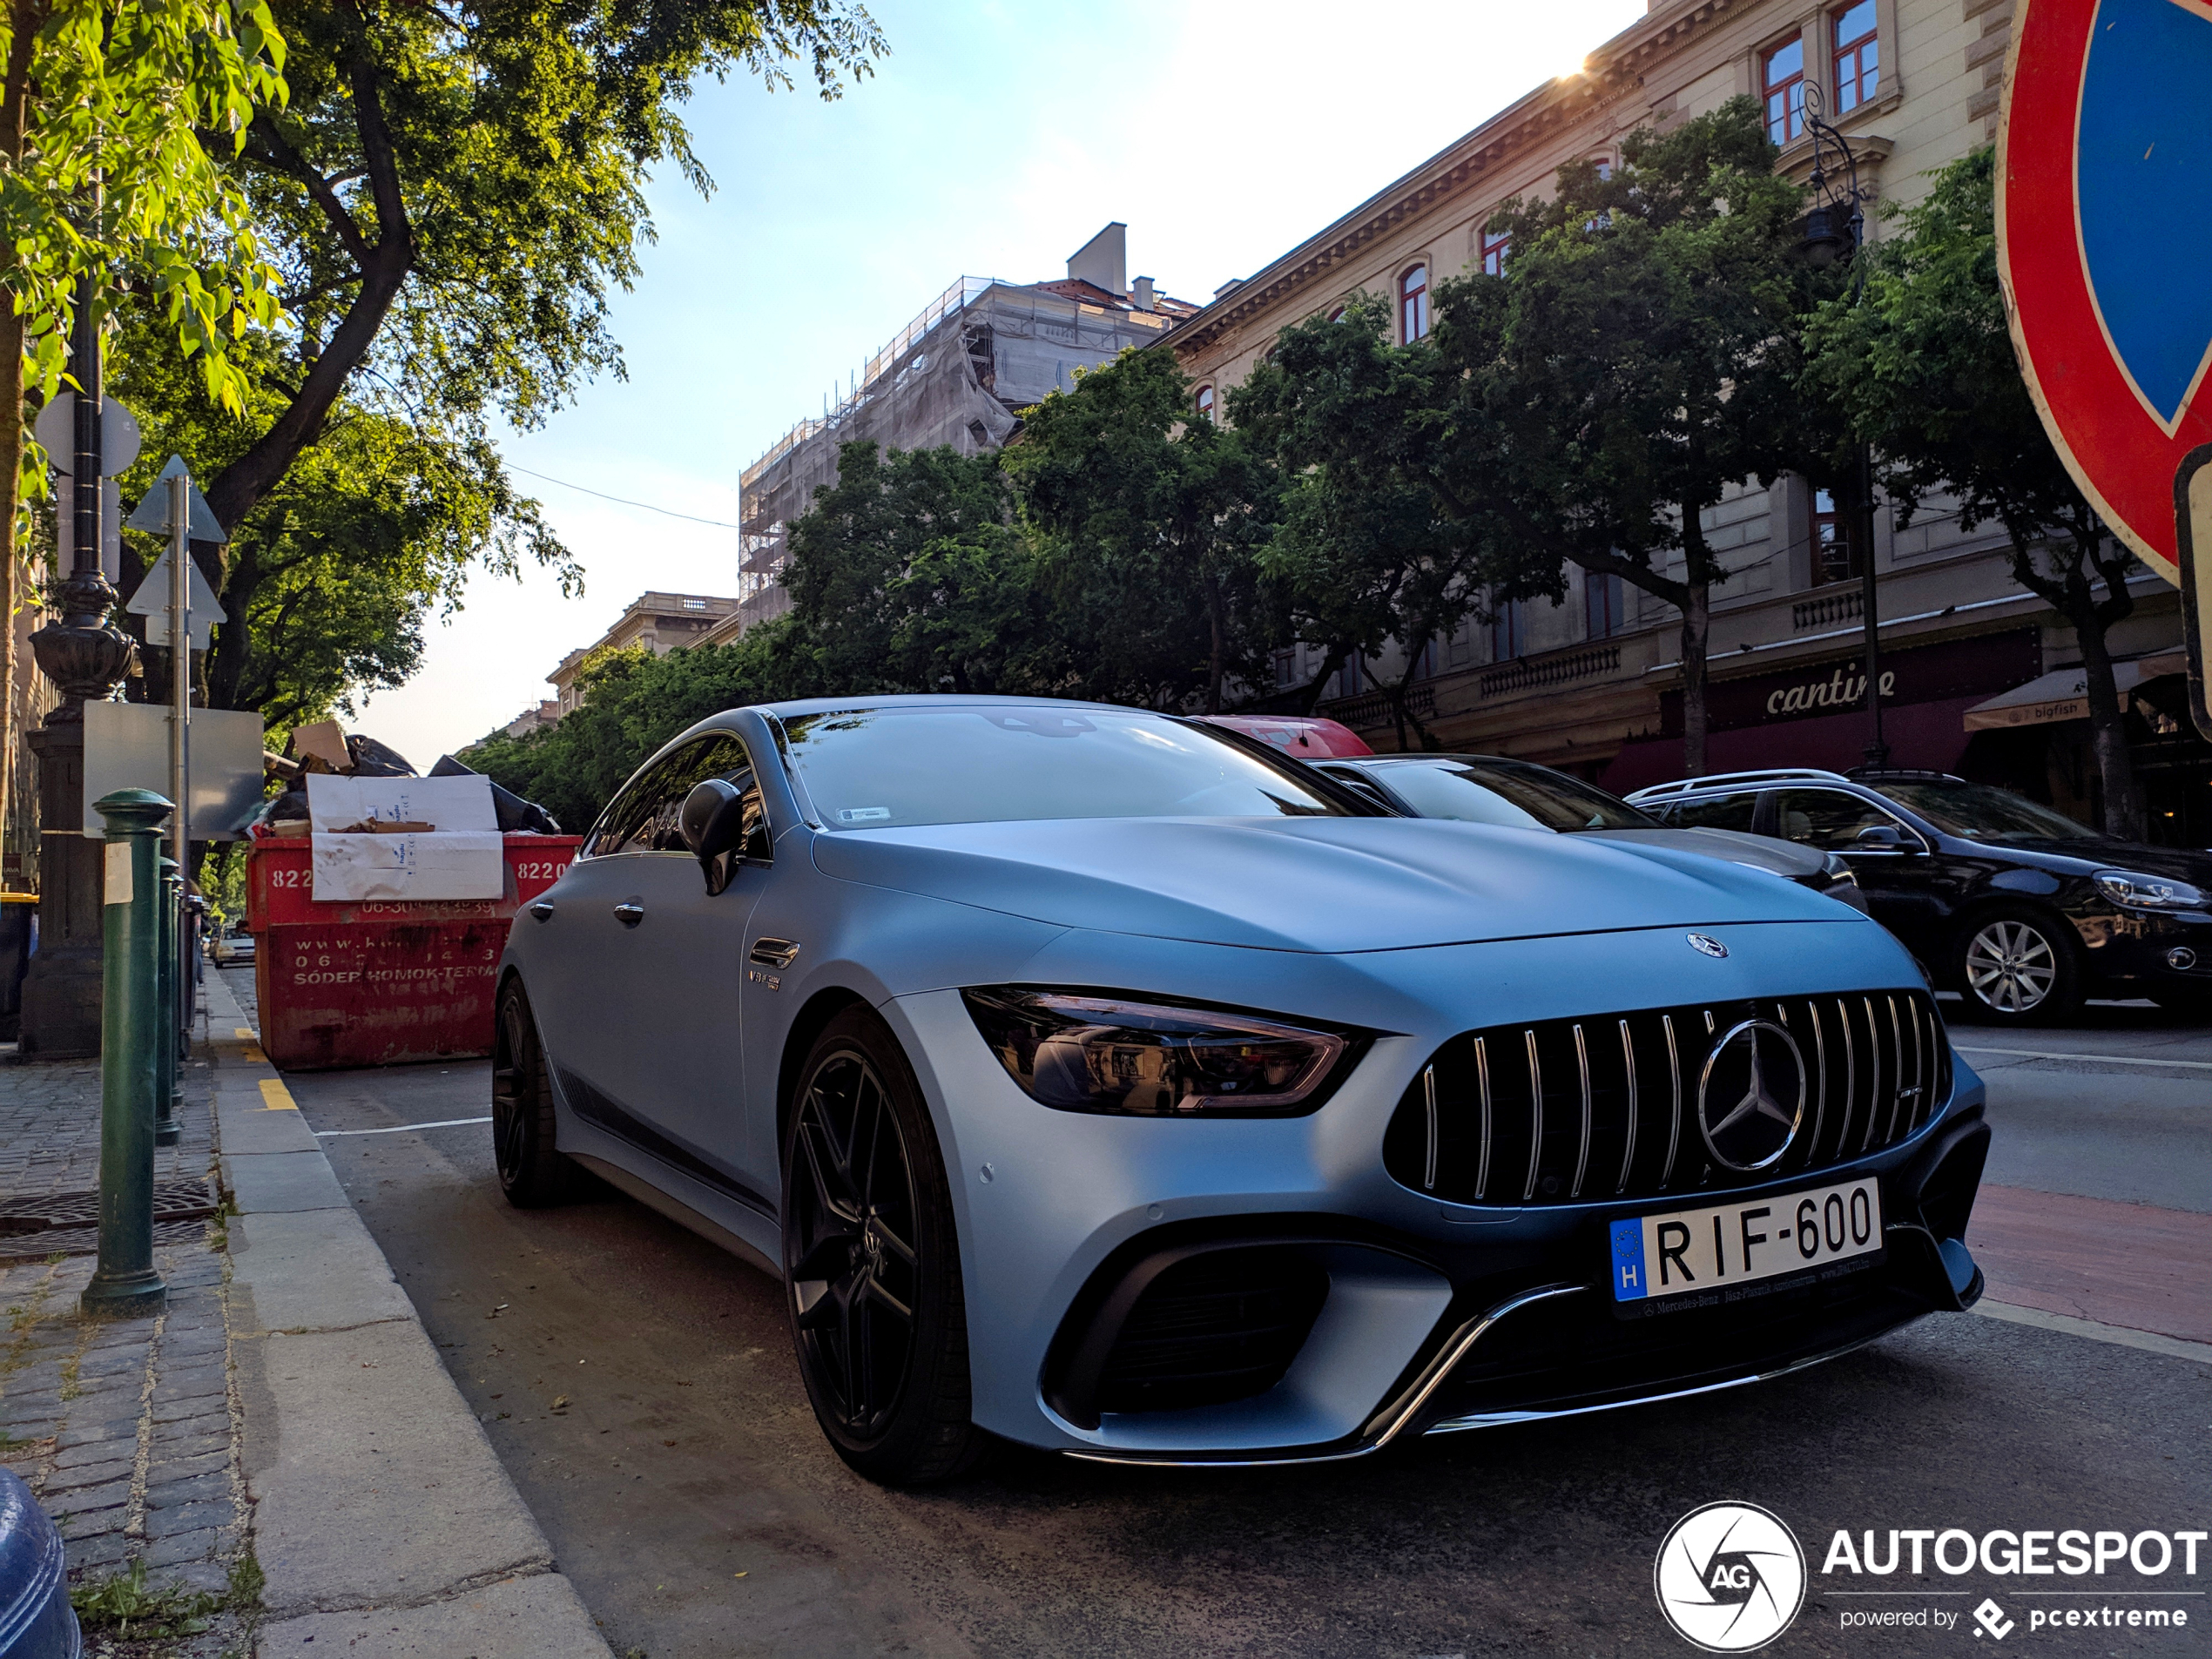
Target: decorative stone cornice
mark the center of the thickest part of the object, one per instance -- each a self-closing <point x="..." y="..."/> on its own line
<point x="1611" y="75"/>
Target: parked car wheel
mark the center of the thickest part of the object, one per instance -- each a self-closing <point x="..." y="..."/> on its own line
<point x="2017" y="966"/>
<point x="872" y="1263"/>
<point x="533" y="1172"/>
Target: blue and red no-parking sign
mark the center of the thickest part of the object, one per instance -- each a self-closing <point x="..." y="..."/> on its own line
<point x="2104" y="231"/>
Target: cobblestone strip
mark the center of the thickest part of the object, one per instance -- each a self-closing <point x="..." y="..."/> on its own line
<point x="134" y="1515"/>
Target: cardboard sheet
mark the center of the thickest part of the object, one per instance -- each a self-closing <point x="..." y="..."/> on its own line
<point x="461" y="858"/>
<point x="337" y="803"/>
<point x="445" y="864"/>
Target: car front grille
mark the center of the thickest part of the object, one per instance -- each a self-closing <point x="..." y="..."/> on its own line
<point x="1605" y="1107"/>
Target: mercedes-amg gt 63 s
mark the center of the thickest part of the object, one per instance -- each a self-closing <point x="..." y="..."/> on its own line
<point x="1109" y="1083"/>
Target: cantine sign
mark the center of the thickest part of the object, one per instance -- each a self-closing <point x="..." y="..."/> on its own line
<point x="1981" y="666"/>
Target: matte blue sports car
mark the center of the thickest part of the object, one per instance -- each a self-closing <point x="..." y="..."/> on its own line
<point x="1107" y="1082"/>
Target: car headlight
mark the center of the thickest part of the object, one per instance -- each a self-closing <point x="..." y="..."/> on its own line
<point x="2148" y="892"/>
<point x="1078" y="1051"/>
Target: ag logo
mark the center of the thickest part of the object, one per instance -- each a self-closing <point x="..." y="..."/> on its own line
<point x="1730" y="1577"/>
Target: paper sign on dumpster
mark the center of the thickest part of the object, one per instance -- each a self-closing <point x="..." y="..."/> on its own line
<point x="404" y="838"/>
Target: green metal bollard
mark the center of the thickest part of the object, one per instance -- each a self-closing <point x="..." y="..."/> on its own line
<point x="168" y="1076"/>
<point x="133" y="1025"/>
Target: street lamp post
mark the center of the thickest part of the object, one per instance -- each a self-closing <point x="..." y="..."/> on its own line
<point x="1836" y="229"/>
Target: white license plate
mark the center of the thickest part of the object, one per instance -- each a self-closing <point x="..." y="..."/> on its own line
<point x="1707" y="1253"/>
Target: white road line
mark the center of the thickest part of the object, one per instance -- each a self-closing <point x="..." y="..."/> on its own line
<point x="2100" y="1059"/>
<point x="401" y="1128"/>
<point x="2120" y="1335"/>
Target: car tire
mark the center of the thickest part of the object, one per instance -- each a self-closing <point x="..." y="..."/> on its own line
<point x="532" y="1171"/>
<point x="2019" y="966"/>
<point x="872" y="1263"/>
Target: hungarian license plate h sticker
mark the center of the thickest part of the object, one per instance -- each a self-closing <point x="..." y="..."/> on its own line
<point x="1693" y="1252"/>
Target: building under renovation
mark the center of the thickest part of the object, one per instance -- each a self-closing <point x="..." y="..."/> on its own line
<point x="960" y="373"/>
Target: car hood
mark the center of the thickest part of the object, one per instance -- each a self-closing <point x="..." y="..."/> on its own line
<point x="1737" y="847"/>
<point x="2083" y="856"/>
<point x="1316" y="883"/>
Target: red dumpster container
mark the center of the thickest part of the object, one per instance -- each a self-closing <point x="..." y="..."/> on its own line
<point x="379" y="983"/>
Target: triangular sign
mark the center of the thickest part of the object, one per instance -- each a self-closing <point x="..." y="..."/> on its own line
<point x="151" y="598"/>
<point x="152" y="513"/>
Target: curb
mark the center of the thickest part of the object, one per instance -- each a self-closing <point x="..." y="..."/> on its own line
<point x="382" y="1517"/>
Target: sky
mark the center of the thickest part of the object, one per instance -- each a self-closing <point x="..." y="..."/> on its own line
<point x="994" y="140"/>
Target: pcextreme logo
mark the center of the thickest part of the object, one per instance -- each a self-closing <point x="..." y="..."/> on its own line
<point x="1730" y="1577"/>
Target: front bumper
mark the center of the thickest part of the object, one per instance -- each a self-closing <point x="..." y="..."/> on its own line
<point x="2133" y="949"/>
<point x="1436" y="1316"/>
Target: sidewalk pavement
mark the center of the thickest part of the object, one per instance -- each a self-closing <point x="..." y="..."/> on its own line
<point x="285" y="1425"/>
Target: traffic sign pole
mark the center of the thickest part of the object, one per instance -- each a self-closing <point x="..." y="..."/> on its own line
<point x="180" y="662"/>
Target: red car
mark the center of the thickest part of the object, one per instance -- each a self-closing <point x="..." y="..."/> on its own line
<point x="1305" y="737"/>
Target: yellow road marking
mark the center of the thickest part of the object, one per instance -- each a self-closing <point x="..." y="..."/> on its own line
<point x="253" y="1054"/>
<point x="276" y="1096"/>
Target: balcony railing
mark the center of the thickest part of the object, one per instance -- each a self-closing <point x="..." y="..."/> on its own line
<point x="1827" y="611"/>
<point x="1529" y="673"/>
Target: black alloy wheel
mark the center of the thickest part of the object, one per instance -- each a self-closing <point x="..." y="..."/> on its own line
<point x="533" y="1172"/>
<point x="2017" y="966"/>
<point x="871" y="1265"/>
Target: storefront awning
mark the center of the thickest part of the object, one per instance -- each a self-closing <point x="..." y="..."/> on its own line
<point x="2063" y="694"/>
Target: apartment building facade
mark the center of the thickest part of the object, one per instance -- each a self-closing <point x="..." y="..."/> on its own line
<point x="1593" y="684"/>
<point x="659" y="623"/>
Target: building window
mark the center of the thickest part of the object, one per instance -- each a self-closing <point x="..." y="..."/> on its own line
<point x="1349" y="677"/>
<point x="1494" y="254"/>
<point x="1604" y="166"/>
<point x="1285" y="669"/>
<point x="1337" y="314"/>
<point x="1831" y="551"/>
<point x="1412" y="304"/>
<point x="1508" y="631"/>
<point x="1859" y="57"/>
<point x="1782" y="77"/>
<point x="1603" y="611"/>
<point x="1205" y="402"/>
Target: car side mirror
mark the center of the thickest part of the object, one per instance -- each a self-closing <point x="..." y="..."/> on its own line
<point x="712" y="821"/>
<point x="1884" y="838"/>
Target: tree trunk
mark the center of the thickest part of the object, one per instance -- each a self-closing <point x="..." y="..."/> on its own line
<point x="1216" y="644"/>
<point x="24" y="18"/>
<point x="2107" y="728"/>
<point x="1697" y="623"/>
<point x="1310" y="697"/>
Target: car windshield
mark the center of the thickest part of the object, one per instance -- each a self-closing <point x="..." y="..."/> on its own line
<point x="1981" y="812"/>
<point x="1507" y="791"/>
<point x="889" y="768"/>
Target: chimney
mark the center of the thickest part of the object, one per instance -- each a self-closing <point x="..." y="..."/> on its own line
<point x="1103" y="260"/>
<point x="1140" y="294"/>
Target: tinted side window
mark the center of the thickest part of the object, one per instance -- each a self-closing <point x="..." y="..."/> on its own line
<point x="645" y="816"/>
<point x="1716" y="812"/>
<point x="1827" y="818"/>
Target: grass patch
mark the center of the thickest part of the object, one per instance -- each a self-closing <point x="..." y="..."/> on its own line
<point x="125" y="1605"/>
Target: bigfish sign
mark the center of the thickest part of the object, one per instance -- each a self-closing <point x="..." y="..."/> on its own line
<point x="2108" y="268"/>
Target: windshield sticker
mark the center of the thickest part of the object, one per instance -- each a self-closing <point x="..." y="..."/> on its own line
<point x="863" y="814"/>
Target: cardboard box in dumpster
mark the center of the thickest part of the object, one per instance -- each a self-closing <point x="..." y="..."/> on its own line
<point x="357" y="857"/>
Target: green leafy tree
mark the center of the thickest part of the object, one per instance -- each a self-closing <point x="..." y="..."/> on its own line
<point x="634" y="702"/>
<point x="1922" y="365"/>
<point x="1151" y="517"/>
<point x="114" y="115"/>
<point x="328" y="580"/>
<point x="909" y="575"/>
<point x="1638" y="359"/>
<point x="1372" y="544"/>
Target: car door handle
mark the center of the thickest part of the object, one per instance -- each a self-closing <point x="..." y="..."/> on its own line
<point x="630" y="912"/>
<point x="543" y="909"/>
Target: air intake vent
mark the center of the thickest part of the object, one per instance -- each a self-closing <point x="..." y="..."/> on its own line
<point x="1606" y="1107"/>
<point x="1214" y="1328"/>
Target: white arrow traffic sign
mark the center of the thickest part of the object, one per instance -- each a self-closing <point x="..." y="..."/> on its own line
<point x="56" y="429"/>
<point x="152" y="602"/>
<point x="152" y="513"/>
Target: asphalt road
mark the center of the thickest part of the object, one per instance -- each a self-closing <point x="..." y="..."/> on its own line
<point x="640" y="1386"/>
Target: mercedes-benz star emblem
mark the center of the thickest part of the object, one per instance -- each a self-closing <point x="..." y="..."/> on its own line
<point x="1706" y="945"/>
<point x="1751" y="1098"/>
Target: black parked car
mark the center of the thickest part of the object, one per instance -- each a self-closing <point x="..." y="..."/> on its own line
<point x="1489" y="789"/>
<point x="2021" y="909"/>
